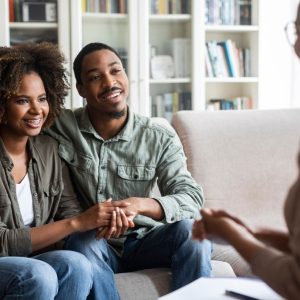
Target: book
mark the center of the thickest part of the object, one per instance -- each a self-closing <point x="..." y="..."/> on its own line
<point x="231" y="57"/>
<point x="244" y="12"/>
<point x="168" y="103"/>
<point x="11" y="10"/>
<point x="213" y="56"/>
<point x="180" y="49"/>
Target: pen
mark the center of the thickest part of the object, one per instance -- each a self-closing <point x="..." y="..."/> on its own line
<point x="239" y="295"/>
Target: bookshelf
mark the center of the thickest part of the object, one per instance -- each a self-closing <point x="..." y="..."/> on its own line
<point x="243" y="86"/>
<point x="115" y="25"/>
<point x="143" y="29"/>
<point x="146" y="29"/>
<point x="36" y="24"/>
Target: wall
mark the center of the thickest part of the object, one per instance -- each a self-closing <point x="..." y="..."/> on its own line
<point x="278" y="64"/>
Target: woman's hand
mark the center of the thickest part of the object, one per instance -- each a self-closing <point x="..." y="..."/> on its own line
<point x="99" y="215"/>
<point x="218" y="224"/>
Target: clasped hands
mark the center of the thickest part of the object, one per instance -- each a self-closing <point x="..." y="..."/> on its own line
<point x="110" y="218"/>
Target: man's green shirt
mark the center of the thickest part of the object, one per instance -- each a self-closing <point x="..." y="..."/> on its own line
<point x="128" y="165"/>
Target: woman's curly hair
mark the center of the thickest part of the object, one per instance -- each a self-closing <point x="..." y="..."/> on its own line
<point x="47" y="61"/>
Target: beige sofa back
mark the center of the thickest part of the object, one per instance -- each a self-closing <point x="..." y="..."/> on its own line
<point x="244" y="160"/>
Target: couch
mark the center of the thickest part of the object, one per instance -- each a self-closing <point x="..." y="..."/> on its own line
<point x="245" y="161"/>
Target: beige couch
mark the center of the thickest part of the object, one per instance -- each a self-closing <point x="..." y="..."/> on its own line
<point x="245" y="162"/>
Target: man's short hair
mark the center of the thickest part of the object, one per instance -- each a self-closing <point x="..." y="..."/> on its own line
<point x="85" y="51"/>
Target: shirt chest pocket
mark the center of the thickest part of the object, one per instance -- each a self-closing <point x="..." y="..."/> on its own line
<point x="135" y="181"/>
<point x="136" y="173"/>
<point x="74" y="159"/>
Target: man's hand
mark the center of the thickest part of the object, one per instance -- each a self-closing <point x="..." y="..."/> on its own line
<point x="144" y="206"/>
<point x="98" y="215"/>
<point x="123" y="215"/>
<point x="118" y="225"/>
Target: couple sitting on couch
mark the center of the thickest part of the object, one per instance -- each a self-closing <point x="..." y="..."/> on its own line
<point x="114" y="157"/>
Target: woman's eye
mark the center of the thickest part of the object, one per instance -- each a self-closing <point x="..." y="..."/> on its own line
<point x="43" y="99"/>
<point x="21" y="101"/>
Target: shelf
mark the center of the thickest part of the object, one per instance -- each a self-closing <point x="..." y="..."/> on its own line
<point x="101" y="17"/>
<point x="231" y="80"/>
<point x="170" y="80"/>
<point x="231" y="28"/>
<point x="30" y="25"/>
<point x="170" y="18"/>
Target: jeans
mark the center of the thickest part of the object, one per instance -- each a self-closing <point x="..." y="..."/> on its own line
<point x="55" y="274"/>
<point x="166" y="246"/>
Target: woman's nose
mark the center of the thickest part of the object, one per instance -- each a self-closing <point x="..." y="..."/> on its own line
<point x="35" y="107"/>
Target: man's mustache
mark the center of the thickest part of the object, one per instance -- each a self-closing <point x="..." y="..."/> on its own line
<point x="109" y="90"/>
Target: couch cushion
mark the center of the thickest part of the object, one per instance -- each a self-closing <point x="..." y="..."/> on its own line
<point x="230" y="255"/>
<point x="244" y="160"/>
<point x="152" y="283"/>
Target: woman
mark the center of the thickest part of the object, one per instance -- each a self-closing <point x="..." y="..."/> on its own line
<point x="38" y="206"/>
<point x="273" y="255"/>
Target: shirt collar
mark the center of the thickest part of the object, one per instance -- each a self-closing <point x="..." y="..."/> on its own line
<point x="7" y="161"/>
<point x="125" y="134"/>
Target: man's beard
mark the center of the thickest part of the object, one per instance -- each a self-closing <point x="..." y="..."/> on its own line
<point x="118" y="114"/>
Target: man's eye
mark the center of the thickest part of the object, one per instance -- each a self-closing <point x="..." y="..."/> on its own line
<point x="116" y="71"/>
<point x="95" y="77"/>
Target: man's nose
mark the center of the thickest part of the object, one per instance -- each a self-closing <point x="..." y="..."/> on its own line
<point x="109" y="81"/>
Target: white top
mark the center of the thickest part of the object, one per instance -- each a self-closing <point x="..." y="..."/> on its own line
<point x="24" y="197"/>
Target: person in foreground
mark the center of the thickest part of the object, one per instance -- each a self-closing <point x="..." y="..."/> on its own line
<point x="38" y="206"/>
<point x="273" y="255"/>
<point x="115" y="153"/>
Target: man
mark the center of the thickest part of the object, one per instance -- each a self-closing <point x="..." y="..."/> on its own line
<point x="116" y="155"/>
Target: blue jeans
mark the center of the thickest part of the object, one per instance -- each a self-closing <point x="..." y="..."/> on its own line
<point x="54" y="274"/>
<point x="167" y="246"/>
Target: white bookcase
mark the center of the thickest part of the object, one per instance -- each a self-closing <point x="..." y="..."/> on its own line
<point x="58" y="32"/>
<point x="136" y="30"/>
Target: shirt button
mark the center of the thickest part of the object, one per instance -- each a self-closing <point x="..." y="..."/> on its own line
<point x="172" y="219"/>
<point x="136" y="176"/>
<point x="103" y="167"/>
<point x="100" y="192"/>
<point x="35" y="194"/>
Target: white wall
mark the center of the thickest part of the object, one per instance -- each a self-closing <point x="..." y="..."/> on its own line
<point x="295" y="83"/>
<point x="277" y="59"/>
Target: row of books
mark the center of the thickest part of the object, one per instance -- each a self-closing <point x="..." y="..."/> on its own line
<point x="166" y="104"/>
<point x="32" y="10"/>
<point x="104" y="6"/>
<point x="237" y="103"/>
<point x="224" y="59"/>
<point x="228" y="12"/>
<point x="44" y="36"/>
<point x="170" y="7"/>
